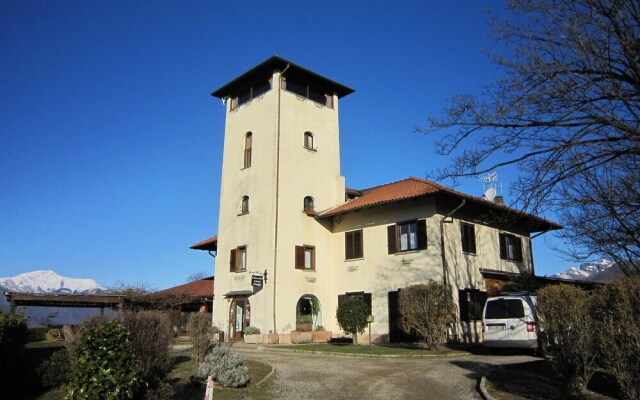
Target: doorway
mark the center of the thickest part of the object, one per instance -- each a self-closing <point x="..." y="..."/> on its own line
<point x="239" y="317"/>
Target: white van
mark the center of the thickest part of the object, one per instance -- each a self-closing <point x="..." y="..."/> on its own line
<point x="510" y="321"/>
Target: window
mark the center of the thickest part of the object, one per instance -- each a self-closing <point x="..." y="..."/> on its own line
<point x="244" y="206"/>
<point x="471" y="303"/>
<point x="308" y="92"/>
<point x="308" y="205"/>
<point x="249" y="93"/>
<point x="353" y="245"/>
<point x="305" y="257"/>
<point x="248" y="139"/>
<point x="510" y="247"/>
<point x="308" y="141"/>
<point x="504" y="309"/>
<point x="468" y="232"/>
<point x="238" y="259"/>
<point x="406" y="236"/>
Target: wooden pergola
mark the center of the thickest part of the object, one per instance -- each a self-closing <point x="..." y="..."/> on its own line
<point x="64" y="300"/>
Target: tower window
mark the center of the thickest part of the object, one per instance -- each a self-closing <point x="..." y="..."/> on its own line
<point x="248" y="139"/>
<point x="308" y="141"/>
<point x="308" y="205"/>
<point x="244" y="205"/>
<point x="309" y="92"/>
<point x="249" y="93"/>
<point x="238" y="259"/>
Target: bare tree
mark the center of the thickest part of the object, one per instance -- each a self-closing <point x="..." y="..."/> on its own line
<point x="196" y="276"/>
<point x="567" y="110"/>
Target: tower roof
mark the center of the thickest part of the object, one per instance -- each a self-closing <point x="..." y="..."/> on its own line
<point x="265" y="70"/>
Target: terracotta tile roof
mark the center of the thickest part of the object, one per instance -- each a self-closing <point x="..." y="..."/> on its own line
<point x="412" y="188"/>
<point x="392" y="192"/>
<point x="207" y="244"/>
<point x="199" y="288"/>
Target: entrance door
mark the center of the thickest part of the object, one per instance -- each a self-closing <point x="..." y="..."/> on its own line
<point x="239" y="317"/>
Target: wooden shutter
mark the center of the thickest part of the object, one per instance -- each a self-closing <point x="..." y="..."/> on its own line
<point x="503" y="246"/>
<point x="299" y="257"/>
<point x="392" y="242"/>
<point x="367" y="299"/>
<point x="422" y="234"/>
<point x="357" y="244"/>
<point x="232" y="261"/>
<point x="517" y="248"/>
<point x="463" y="302"/>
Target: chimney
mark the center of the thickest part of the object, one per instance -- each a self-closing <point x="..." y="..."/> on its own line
<point x="499" y="200"/>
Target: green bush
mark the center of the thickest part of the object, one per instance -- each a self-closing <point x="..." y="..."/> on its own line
<point x="352" y="316"/>
<point x="103" y="363"/>
<point x="251" y="330"/>
<point x="56" y="371"/>
<point x="224" y="367"/>
<point x="201" y="333"/>
<point x="565" y="313"/>
<point x="425" y="309"/>
<point x="618" y="331"/>
<point x="13" y="361"/>
<point x="151" y="335"/>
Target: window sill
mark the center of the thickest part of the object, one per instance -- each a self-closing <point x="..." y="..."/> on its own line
<point x="407" y="252"/>
<point x="310" y="213"/>
<point x="353" y="259"/>
<point x="243" y="168"/>
<point x="467" y="253"/>
<point x="244" y="213"/>
<point x="310" y="149"/>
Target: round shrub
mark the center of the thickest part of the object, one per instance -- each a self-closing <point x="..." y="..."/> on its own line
<point x="352" y="316"/>
<point x="56" y="371"/>
<point x="224" y="367"/>
<point x="104" y="364"/>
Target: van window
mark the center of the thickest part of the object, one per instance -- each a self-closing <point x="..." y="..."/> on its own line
<point x="504" y="308"/>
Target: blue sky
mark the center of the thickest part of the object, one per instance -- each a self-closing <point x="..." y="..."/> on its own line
<point x="112" y="145"/>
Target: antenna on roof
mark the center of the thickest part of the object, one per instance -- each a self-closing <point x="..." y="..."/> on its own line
<point x="489" y="185"/>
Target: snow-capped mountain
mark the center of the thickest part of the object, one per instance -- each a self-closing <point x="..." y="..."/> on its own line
<point x="598" y="271"/>
<point x="47" y="281"/>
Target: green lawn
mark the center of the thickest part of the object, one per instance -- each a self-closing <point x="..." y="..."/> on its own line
<point x="373" y="350"/>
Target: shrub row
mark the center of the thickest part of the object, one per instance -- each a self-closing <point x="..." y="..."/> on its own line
<point x="584" y="331"/>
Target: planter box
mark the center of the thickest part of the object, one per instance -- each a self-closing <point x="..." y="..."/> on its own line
<point x="271" y="338"/>
<point x="253" y="339"/>
<point x="304" y="326"/>
<point x="321" y="336"/>
<point x="284" y="338"/>
<point x="300" y="337"/>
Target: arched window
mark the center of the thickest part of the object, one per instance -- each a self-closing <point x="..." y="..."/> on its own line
<point x="247" y="149"/>
<point x="244" y="205"/>
<point x="308" y="141"/>
<point x="308" y="204"/>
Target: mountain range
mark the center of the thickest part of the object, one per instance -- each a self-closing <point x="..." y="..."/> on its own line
<point x="48" y="281"/>
<point x="598" y="271"/>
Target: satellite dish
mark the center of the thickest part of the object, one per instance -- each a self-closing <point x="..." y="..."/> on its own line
<point x="490" y="194"/>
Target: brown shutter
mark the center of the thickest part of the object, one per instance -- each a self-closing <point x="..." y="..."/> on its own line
<point x="232" y="261"/>
<point x="517" y="253"/>
<point x="313" y="258"/>
<point x="503" y="246"/>
<point x="341" y="299"/>
<point x="422" y="234"/>
<point x="367" y="299"/>
<point x="391" y="239"/>
<point x="348" y="249"/>
<point x="299" y="257"/>
<point x="357" y="245"/>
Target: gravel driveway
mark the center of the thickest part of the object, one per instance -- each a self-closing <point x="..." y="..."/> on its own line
<point x="303" y="375"/>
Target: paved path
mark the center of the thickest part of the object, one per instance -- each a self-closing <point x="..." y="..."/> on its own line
<point x="301" y="375"/>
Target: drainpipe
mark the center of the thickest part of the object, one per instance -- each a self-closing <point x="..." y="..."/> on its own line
<point x="445" y="268"/>
<point x="275" y="245"/>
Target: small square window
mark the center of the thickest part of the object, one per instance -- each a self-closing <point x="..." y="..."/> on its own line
<point x="305" y="257"/>
<point x="353" y="245"/>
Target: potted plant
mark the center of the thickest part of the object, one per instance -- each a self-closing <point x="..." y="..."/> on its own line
<point x="252" y="335"/>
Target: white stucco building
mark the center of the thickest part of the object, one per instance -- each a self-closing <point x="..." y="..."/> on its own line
<point x="285" y="215"/>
